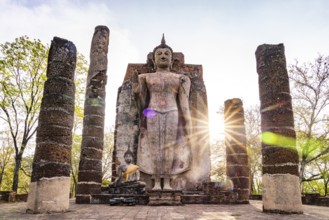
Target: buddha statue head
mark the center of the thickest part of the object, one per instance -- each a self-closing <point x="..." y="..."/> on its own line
<point x="163" y="56"/>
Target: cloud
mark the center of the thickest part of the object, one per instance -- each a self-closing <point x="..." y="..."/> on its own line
<point x="75" y="22"/>
<point x="220" y="35"/>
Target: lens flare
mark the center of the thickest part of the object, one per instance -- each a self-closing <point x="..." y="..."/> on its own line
<point x="149" y="113"/>
<point x="275" y="139"/>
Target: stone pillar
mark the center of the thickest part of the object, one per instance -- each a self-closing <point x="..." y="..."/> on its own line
<point x="281" y="189"/>
<point x="90" y="166"/>
<point x="237" y="166"/>
<point x="50" y="183"/>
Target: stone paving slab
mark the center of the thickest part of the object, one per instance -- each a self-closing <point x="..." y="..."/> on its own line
<point x="187" y="212"/>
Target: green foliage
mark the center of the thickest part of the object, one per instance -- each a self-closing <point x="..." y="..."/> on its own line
<point x="7" y="179"/>
<point x="23" y="65"/>
<point x="75" y="159"/>
<point x="6" y="158"/>
<point x="253" y="136"/>
<point x="314" y="186"/>
<point x="80" y="77"/>
<point x="106" y="182"/>
<point x="310" y="92"/>
<point x="22" y="76"/>
<point x="107" y="154"/>
<point x="218" y="161"/>
<point x="322" y="164"/>
<point x="25" y="174"/>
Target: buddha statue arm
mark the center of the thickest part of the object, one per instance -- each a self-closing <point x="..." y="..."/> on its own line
<point x="140" y="90"/>
<point x="119" y="179"/>
<point x="184" y="91"/>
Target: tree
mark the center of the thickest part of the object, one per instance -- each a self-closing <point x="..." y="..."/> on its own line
<point x="75" y="158"/>
<point x="22" y="76"/>
<point x="6" y="154"/>
<point x="25" y="174"/>
<point x="80" y="84"/>
<point x="323" y="167"/>
<point x="253" y="144"/>
<point x="218" y="159"/>
<point x="253" y="136"/>
<point x="107" y="156"/>
<point x="310" y="93"/>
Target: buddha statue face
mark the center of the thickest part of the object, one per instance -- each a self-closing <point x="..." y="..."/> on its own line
<point x="128" y="158"/>
<point x="163" y="58"/>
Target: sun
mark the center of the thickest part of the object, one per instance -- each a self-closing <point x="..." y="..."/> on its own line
<point x="216" y="127"/>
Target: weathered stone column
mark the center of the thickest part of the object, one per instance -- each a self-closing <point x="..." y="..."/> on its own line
<point x="281" y="190"/>
<point x="50" y="183"/>
<point x="237" y="165"/>
<point x="90" y="166"/>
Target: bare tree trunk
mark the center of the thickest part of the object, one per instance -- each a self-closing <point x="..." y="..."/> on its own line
<point x="75" y="183"/>
<point x="18" y="160"/>
<point x="1" y="176"/>
<point x="326" y="184"/>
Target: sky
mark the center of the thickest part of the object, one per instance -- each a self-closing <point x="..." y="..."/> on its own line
<point x="220" y="35"/>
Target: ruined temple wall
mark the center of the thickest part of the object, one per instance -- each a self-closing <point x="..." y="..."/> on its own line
<point x="127" y="123"/>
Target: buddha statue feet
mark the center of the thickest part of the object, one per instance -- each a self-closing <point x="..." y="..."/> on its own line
<point x="156" y="186"/>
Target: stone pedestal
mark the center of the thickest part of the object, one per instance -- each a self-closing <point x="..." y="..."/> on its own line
<point x="165" y="197"/>
<point x="221" y="197"/>
<point x="49" y="195"/>
<point x="105" y="198"/>
<point x="281" y="193"/>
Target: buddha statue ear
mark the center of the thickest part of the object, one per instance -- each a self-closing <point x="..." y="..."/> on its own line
<point x="154" y="66"/>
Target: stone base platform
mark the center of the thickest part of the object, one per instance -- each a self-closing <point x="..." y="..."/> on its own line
<point x="172" y="198"/>
<point x="223" y="197"/>
<point x="105" y="198"/>
<point x="164" y="197"/>
<point x="250" y="211"/>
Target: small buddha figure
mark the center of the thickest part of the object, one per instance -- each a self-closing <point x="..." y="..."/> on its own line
<point x="164" y="149"/>
<point x="127" y="180"/>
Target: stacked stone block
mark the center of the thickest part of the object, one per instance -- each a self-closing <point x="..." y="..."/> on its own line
<point x="237" y="165"/>
<point x="166" y="197"/>
<point x="50" y="183"/>
<point x="90" y="166"/>
<point x="281" y="190"/>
